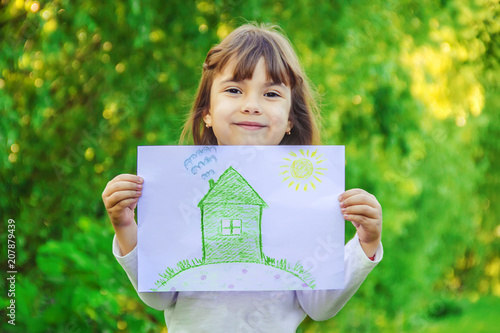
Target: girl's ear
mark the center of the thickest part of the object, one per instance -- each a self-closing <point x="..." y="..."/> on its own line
<point x="207" y="118"/>
<point x="289" y="126"/>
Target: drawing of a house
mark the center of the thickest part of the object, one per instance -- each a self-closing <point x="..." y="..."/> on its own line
<point x="231" y="217"/>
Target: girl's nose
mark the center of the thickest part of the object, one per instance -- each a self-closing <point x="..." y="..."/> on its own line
<point x="251" y="105"/>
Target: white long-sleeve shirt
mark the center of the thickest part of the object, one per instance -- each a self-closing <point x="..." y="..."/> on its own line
<point x="252" y="311"/>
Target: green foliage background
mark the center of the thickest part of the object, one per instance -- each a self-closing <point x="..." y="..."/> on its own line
<point x="410" y="87"/>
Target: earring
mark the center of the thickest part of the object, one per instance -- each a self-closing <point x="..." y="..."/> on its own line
<point x="207" y="126"/>
<point x="289" y="132"/>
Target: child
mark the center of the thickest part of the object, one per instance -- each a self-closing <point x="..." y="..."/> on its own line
<point x="252" y="92"/>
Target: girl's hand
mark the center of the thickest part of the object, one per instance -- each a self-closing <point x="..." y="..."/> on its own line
<point x="365" y="213"/>
<point x="120" y="198"/>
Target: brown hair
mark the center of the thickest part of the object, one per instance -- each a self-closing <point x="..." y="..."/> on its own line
<point x="247" y="44"/>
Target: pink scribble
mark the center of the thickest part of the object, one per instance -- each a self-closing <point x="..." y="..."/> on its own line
<point x="203" y="277"/>
<point x="172" y="289"/>
<point x="244" y="270"/>
<point x="277" y="276"/>
<point x="231" y="286"/>
<point x="304" y="285"/>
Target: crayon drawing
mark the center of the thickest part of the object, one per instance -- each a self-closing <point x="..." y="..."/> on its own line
<point x="215" y="218"/>
<point x="231" y="219"/>
<point x="303" y="169"/>
<point x="201" y="160"/>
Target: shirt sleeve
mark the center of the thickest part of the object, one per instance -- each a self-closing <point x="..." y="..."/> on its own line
<point x="156" y="300"/>
<point x="324" y="304"/>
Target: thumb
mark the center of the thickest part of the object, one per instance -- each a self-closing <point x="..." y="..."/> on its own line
<point x="133" y="205"/>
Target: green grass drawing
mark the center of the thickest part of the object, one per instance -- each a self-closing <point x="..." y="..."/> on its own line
<point x="231" y="220"/>
<point x="172" y="272"/>
<point x="297" y="270"/>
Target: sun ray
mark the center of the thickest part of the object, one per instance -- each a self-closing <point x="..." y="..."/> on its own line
<point x="287" y="159"/>
<point x="282" y="173"/>
<point x="319" y="180"/>
<point x="296" y="188"/>
<point x="293" y="154"/>
<point x="319" y="173"/>
<point x="302" y="152"/>
<point x="313" y="186"/>
<point x="286" y="178"/>
<point x="314" y="153"/>
<point x="291" y="183"/>
<point x="305" y="187"/>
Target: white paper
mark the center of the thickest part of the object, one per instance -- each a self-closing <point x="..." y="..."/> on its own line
<point x="271" y="219"/>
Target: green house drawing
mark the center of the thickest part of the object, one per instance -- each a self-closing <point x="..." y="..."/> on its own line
<point x="231" y="217"/>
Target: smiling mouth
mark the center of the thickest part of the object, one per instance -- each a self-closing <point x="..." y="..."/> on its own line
<point x="249" y="125"/>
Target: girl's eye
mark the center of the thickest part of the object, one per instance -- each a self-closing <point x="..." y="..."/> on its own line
<point x="233" y="90"/>
<point x="272" y="94"/>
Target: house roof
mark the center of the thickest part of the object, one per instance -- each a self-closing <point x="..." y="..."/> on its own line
<point x="232" y="188"/>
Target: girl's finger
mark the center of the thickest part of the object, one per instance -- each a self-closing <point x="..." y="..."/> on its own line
<point x="358" y="220"/>
<point x="122" y="186"/>
<point x="116" y="197"/>
<point x="128" y="177"/>
<point x="351" y="192"/>
<point x="364" y="210"/>
<point x="127" y="203"/>
<point x="360" y="199"/>
<point x="121" y="178"/>
<point x="118" y="209"/>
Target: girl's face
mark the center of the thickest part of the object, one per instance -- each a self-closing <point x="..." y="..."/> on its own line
<point x="249" y="112"/>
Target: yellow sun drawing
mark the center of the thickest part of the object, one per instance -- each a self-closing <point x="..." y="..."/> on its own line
<point x="303" y="170"/>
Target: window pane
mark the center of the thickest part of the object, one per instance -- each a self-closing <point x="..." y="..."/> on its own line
<point x="236" y="223"/>
<point x="226" y="223"/>
<point x="236" y="231"/>
<point x="226" y="231"/>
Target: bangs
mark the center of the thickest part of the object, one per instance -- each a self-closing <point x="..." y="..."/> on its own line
<point x="247" y="54"/>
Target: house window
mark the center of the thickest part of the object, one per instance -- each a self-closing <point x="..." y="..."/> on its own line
<point x="231" y="227"/>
